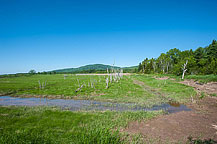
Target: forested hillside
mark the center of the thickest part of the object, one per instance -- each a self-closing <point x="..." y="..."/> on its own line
<point x="94" y="68"/>
<point x="200" y="61"/>
<point x="86" y="69"/>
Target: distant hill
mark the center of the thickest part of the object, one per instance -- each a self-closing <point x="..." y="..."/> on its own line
<point x="92" y="69"/>
<point x="130" y="69"/>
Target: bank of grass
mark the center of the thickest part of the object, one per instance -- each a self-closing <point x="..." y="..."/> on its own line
<point x="51" y="125"/>
<point x="200" y="78"/>
<point x="203" y="78"/>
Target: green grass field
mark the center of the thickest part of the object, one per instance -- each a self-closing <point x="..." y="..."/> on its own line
<point x="127" y="90"/>
<point x="52" y="125"/>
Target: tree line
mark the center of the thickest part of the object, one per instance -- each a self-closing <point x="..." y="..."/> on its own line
<point x="200" y="61"/>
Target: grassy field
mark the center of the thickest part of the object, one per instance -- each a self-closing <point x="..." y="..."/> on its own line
<point x="140" y="89"/>
<point x="203" y="78"/>
<point x="50" y="125"/>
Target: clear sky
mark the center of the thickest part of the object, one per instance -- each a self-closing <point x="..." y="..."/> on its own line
<point x="52" y="34"/>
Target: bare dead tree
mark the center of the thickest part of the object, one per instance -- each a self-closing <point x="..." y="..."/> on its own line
<point x="162" y="65"/>
<point x="107" y="71"/>
<point x="168" y="64"/>
<point x="110" y="78"/>
<point x="78" y="82"/>
<point x="79" y="88"/>
<point x="154" y="65"/>
<point x="65" y="76"/>
<point x="121" y="73"/>
<point x="107" y="83"/>
<point x="184" y="68"/>
<point x="143" y="68"/>
<point x="91" y="83"/>
<point x="42" y="85"/>
<point x="39" y="84"/>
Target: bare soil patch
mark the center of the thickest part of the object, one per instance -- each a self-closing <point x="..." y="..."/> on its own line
<point x="177" y="127"/>
<point x="209" y="88"/>
<point x="162" y="78"/>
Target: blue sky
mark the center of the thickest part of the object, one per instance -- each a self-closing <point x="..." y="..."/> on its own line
<point x="48" y="34"/>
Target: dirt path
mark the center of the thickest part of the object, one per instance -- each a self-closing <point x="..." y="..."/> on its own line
<point x="150" y="89"/>
<point x="209" y="88"/>
<point x="200" y="123"/>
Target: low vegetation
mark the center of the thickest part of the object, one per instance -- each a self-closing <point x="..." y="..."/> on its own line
<point x="203" y="78"/>
<point x="50" y="125"/>
<point x="126" y="90"/>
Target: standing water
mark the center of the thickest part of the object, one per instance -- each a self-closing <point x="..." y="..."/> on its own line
<point x="76" y="105"/>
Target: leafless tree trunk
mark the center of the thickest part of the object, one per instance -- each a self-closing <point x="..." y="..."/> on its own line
<point x="107" y="83"/>
<point x="39" y="84"/>
<point x="65" y="76"/>
<point x="143" y="69"/>
<point x="79" y="88"/>
<point x="154" y="66"/>
<point x="184" y="69"/>
<point x="78" y="82"/>
<point x="162" y="66"/>
<point x="42" y="85"/>
<point x="168" y="64"/>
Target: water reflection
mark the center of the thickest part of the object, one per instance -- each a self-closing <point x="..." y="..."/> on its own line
<point x="76" y="105"/>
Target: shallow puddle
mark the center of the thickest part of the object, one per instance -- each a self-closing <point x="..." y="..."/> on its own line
<point x="76" y="105"/>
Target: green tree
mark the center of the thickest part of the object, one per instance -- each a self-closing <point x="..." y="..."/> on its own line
<point x="140" y="67"/>
<point x="174" y="55"/>
<point x="32" y="72"/>
<point x="162" y="62"/>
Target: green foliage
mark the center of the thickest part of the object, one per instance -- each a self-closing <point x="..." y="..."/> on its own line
<point x="214" y="94"/>
<point x="201" y="141"/>
<point x="202" y="95"/>
<point x="132" y="69"/>
<point x="200" y="61"/>
<point x="32" y="72"/>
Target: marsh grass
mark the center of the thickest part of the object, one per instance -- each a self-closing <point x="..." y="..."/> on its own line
<point x="51" y="125"/>
<point x="203" y="78"/>
<point x="200" y="78"/>
<point x="168" y="90"/>
<point x="214" y="94"/>
<point x="125" y="91"/>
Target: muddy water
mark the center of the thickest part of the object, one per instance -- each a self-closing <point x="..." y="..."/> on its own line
<point x="76" y="105"/>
